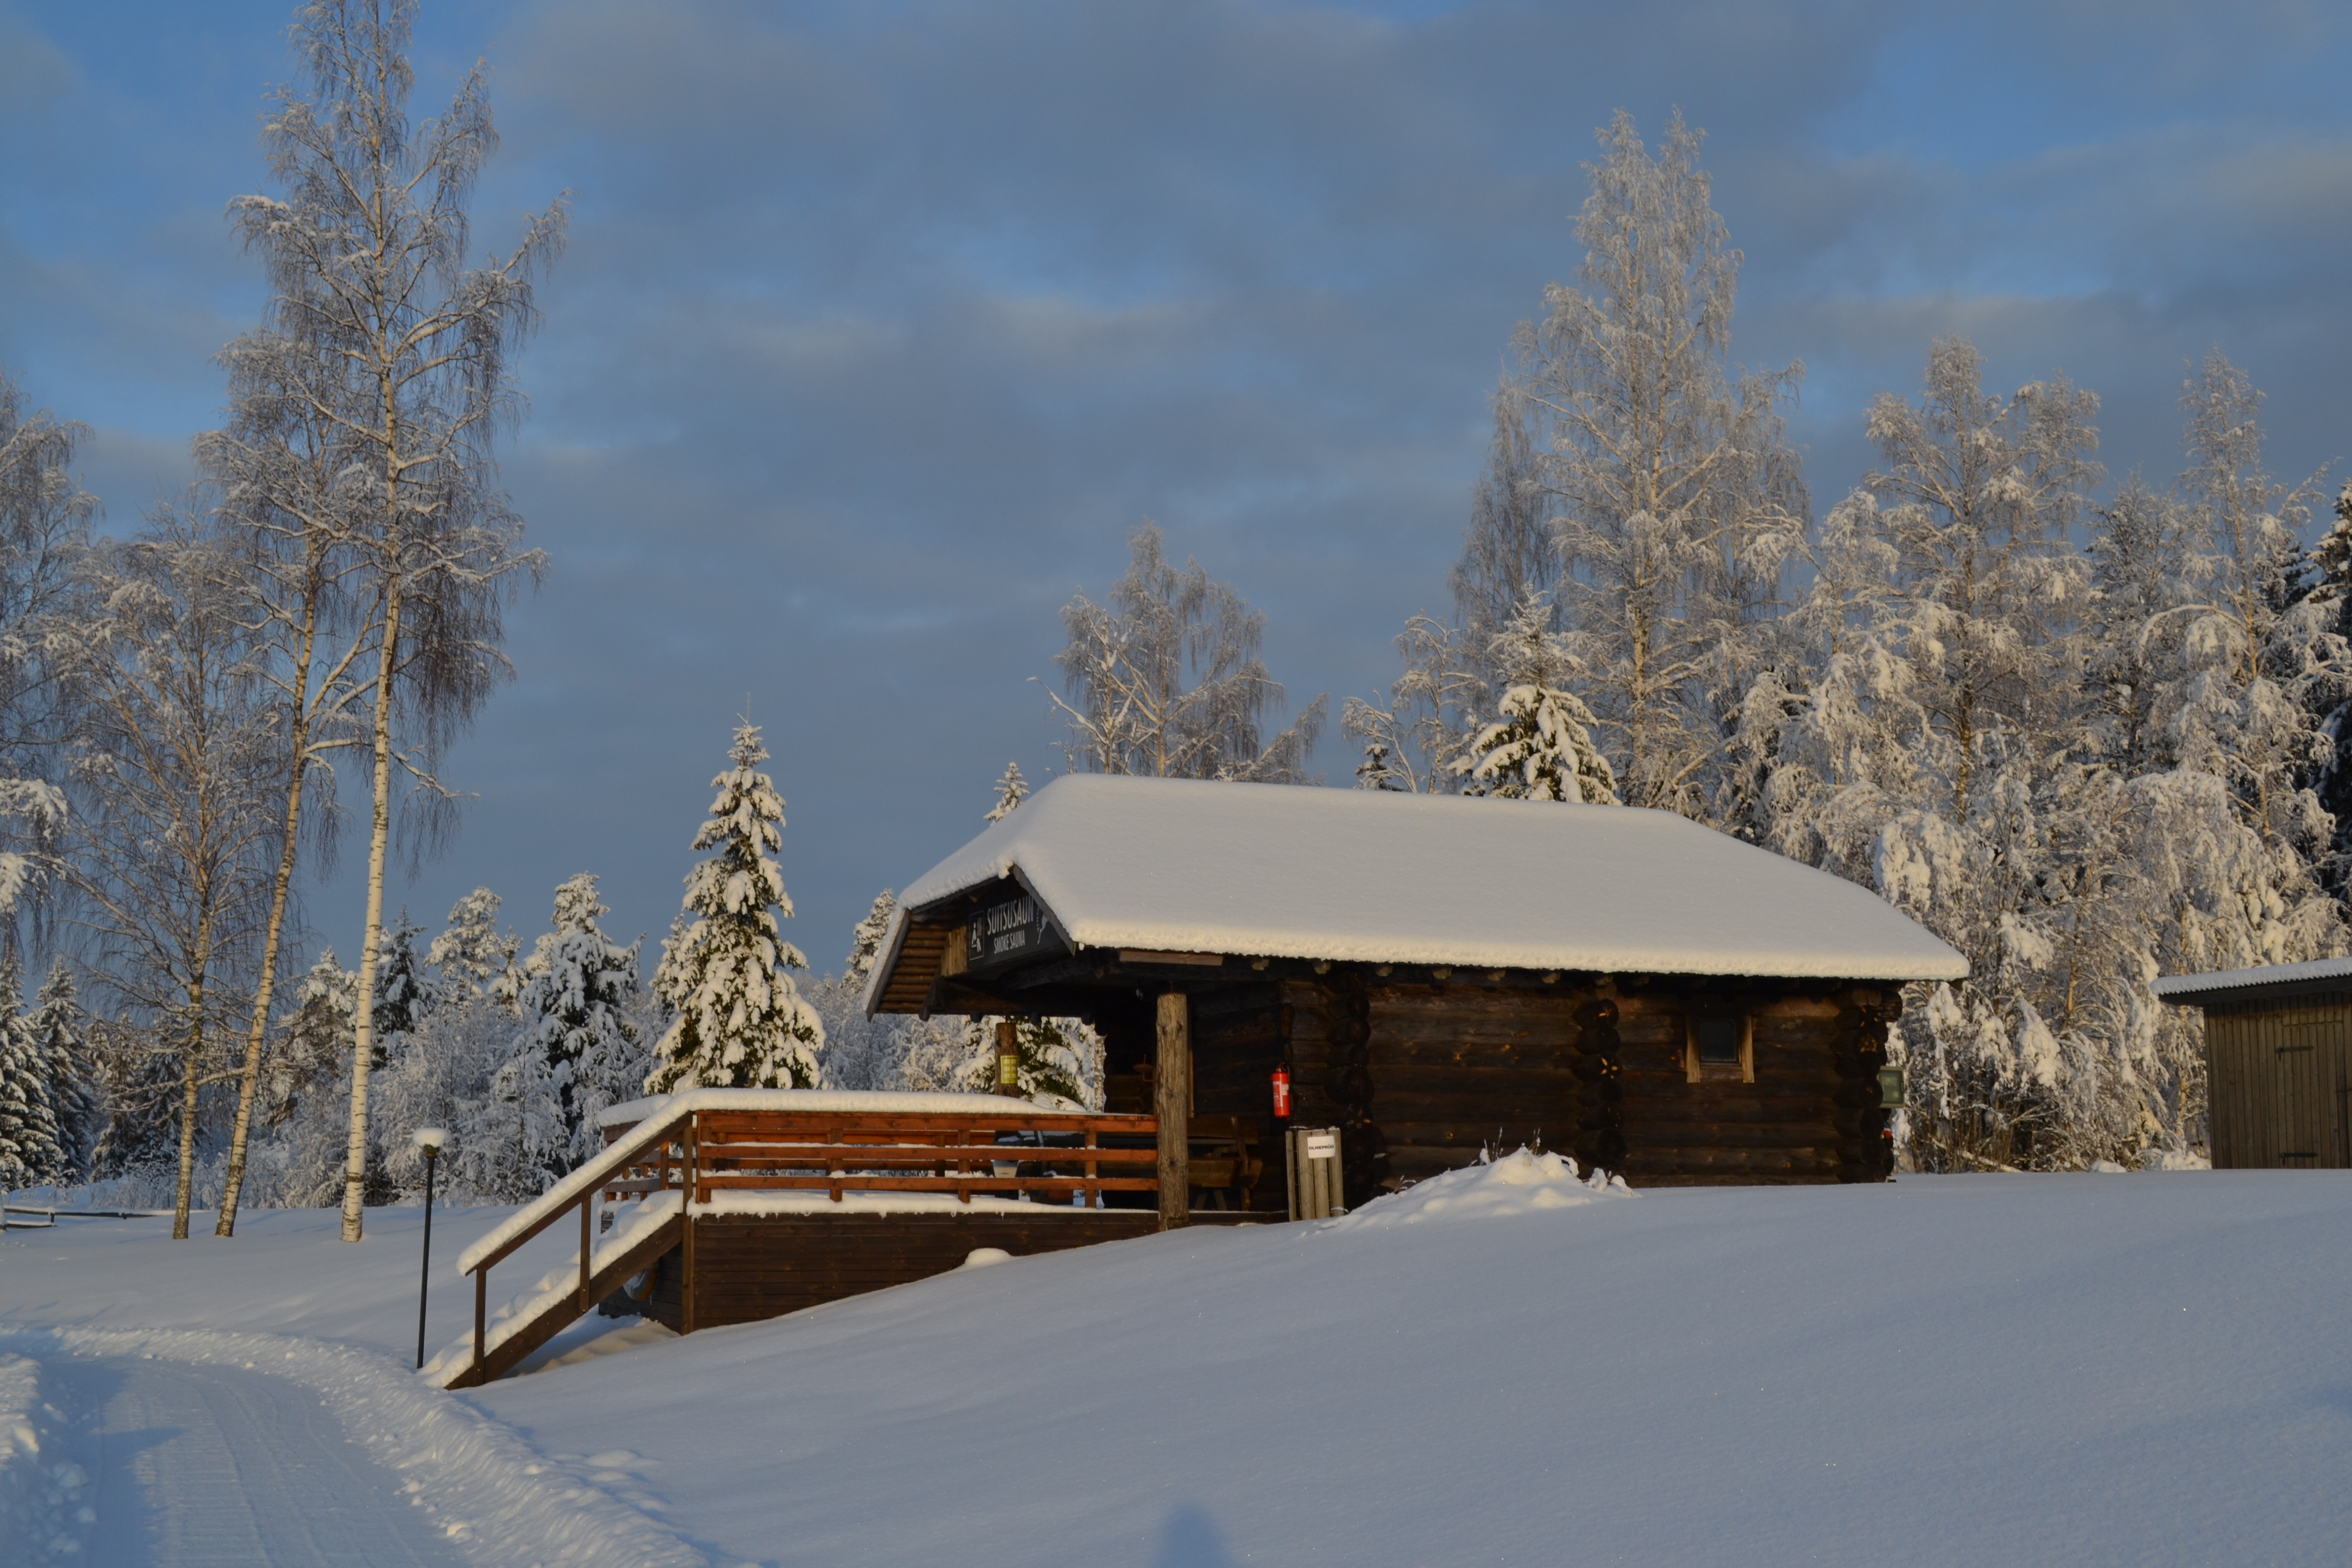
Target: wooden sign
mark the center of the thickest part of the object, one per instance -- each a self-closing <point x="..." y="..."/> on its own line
<point x="1005" y="933"/>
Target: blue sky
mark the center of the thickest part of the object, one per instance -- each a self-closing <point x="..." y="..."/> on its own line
<point x="880" y="326"/>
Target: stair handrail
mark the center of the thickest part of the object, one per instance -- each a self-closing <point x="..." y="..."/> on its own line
<point x="536" y="1215"/>
<point x="577" y="1190"/>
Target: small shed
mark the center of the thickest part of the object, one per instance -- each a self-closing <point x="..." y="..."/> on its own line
<point x="1435" y="974"/>
<point x="2278" y="1062"/>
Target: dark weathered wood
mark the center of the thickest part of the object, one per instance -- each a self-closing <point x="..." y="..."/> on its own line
<point x="755" y="1268"/>
<point x="1172" y="1093"/>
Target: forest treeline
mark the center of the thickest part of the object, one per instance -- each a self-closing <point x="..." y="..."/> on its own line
<point x="2088" y="730"/>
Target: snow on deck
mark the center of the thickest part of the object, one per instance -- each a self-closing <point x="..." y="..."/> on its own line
<point x="2173" y="987"/>
<point x="1282" y="871"/>
<point x="856" y="1102"/>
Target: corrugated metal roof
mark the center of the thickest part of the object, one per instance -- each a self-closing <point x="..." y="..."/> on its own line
<point x="2178" y="987"/>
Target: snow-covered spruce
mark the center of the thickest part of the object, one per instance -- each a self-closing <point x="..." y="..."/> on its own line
<point x="1011" y="790"/>
<point x="1541" y="747"/>
<point x="726" y="969"/>
<point x="581" y="1043"/>
<point x="55" y="1025"/>
<point x="32" y="1151"/>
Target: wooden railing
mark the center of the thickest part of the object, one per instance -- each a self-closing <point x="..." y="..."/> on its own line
<point x="837" y="1153"/>
<point x="699" y="1149"/>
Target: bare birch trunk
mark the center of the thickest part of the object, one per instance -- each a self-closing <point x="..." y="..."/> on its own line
<point x="250" y="1077"/>
<point x="379" y="836"/>
<point x="191" y="1069"/>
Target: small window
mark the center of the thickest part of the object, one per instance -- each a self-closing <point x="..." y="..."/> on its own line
<point x="1720" y="1049"/>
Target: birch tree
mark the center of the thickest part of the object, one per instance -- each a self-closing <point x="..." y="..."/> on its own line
<point x="290" y="491"/>
<point x="366" y="254"/>
<point x="1166" y="680"/>
<point x="1413" y="741"/>
<point x="1675" y="500"/>
<point x="43" y="529"/>
<point x="172" y="837"/>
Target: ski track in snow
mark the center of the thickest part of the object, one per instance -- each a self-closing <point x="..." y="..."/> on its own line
<point x="209" y="1447"/>
<point x="203" y="1465"/>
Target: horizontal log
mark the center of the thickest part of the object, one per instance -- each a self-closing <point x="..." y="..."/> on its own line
<point x="1729" y="1102"/>
<point x="1705" y="1160"/>
<point x="1395" y="1077"/>
<point x="1691" y="1135"/>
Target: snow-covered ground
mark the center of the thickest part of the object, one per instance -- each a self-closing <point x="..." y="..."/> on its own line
<point x="2099" y="1369"/>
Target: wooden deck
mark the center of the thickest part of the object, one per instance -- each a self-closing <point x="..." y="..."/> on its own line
<point x="729" y="1211"/>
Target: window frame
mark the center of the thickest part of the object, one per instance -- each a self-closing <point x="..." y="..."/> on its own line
<point x="1697" y="1071"/>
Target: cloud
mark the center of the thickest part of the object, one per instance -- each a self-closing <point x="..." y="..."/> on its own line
<point x="881" y="326"/>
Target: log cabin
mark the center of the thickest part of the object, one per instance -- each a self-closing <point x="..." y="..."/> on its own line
<point x="2278" y="1060"/>
<point x="1431" y="975"/>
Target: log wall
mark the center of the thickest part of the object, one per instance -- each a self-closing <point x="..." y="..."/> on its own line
<point x="1421" y="1076"/>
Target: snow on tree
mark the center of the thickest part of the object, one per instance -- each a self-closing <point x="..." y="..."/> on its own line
<point x="142" y="1092"/>
<point x="2332" y="561"/>
<point x="390" y="332"/>
<point x="1674" y="497"/>
<point x="305" y="1080"/>
<point x="472" y="958"/>
<point x="1168" y="682"/>
<point x="1413" y="741"/>
<point x="580" y="1036"/>
<point x="1507" y="550"/>
<point x="726" y="972"/>
<point x="1541" y="747"/>
<point x="2083" y="769"/>
<point x="32" y="1151"/>
<point x="55" y="1024"/>
<point x="402" y="997"/>
<point x="44" y="520"/>
<point x="1011" y="790"/>
<point x="867" y="937"/>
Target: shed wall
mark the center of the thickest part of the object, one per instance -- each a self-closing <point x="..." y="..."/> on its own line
<point x="2277" y="1077"/>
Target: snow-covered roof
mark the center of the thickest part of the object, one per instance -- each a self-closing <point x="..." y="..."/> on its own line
<point x="2179" y="987"/>
<point x="1366" y="876"/>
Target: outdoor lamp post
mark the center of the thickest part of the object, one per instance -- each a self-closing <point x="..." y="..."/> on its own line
<point x="429" y="1139"/>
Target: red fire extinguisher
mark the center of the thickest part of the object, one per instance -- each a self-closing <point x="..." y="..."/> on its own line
<point x="1282" y="1094"/>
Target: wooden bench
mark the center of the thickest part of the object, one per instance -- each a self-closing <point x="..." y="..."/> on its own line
<point x="1224" y="1158"/>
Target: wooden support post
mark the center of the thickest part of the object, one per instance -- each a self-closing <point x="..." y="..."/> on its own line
<point x="1008" y="1057"/>
<point x="690" y="1169"/>
<point x="481" y="1318"/>
<point x="587" y="1241"/>
<point x="1172" y="1087"/>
